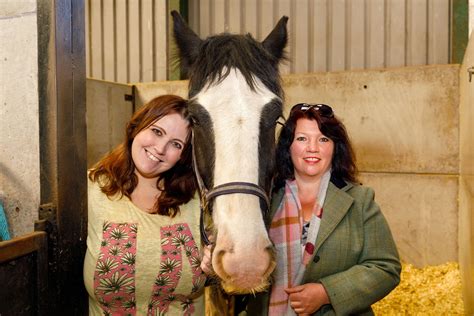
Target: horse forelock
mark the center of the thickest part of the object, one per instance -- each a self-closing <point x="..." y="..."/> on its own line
<point x="221" y="53"/>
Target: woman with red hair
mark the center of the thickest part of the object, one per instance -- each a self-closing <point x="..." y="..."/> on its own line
<point x="143" y="239"/>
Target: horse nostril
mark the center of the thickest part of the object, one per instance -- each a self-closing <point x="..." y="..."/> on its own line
<point x="271" y="250"/>
<point x="218" y="257"/>
<point x="272" y="263"/>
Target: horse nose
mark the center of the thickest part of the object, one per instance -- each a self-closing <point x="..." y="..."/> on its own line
<point x="245" y="270"/>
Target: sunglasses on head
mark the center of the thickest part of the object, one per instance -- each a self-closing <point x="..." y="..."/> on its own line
<point x="323" y="109"/>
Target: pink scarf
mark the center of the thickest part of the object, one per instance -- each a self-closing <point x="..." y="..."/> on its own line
<point x="285" y="232"/>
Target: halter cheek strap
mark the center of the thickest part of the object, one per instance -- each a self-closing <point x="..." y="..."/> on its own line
<point x="206" y="196"/>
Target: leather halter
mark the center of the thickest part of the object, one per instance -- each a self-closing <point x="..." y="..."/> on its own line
<point x="227" y="188"/>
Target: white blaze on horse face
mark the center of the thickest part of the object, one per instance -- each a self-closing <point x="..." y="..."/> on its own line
<point x="242" y="239"/>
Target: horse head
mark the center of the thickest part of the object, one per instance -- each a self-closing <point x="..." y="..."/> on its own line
<point x="236" y="99"/>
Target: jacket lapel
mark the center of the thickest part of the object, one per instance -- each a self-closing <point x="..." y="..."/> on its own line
<point x="335" y="207"/>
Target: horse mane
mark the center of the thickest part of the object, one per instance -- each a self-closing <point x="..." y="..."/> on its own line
<point x="219" y="54"/>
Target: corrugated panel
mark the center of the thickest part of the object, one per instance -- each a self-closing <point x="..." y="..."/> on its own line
<point x="127" y="39"/>
<point x="332" y="35"/>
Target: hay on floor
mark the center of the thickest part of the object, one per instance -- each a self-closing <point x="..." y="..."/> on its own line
<point x="432" y="290"/>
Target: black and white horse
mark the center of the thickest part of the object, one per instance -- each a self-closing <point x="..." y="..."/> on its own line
<point x="234" y="85"/>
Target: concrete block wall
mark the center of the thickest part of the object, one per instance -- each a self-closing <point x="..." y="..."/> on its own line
<point x="19" y="124"/>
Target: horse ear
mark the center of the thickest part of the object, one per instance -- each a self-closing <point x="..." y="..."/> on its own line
<point x="276" y="40"/>
<point x="188" y="42"/>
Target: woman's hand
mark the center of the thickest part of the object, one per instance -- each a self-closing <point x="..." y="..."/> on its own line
<point x="206" y="262"/>
<point x="307" y="298"/>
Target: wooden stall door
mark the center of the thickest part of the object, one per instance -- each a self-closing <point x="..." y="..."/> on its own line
<point x="24" y="275"/>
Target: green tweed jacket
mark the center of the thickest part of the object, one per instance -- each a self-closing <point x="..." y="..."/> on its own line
<point x="355" y="257"/>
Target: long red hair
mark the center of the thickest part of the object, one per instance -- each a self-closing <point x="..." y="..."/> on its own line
<point x="115" y="172"/>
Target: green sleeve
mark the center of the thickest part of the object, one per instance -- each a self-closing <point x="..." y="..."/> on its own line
<point x="377" y="271"/>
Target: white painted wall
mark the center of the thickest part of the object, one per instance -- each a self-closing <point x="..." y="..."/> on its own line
<point x="19" y="124"/>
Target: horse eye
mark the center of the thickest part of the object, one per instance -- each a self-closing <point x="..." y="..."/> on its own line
<point x="194" y="120"/>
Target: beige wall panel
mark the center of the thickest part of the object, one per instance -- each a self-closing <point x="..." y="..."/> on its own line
<point x="417" y="17"/>
<point x="96" y="40"/>
<point x="107" y="115"/>
<point x="423" y="215"/>
<point x="375" y="54"/>
<point x="147" y="91"/>
<point x="134" y="47"/>
<point x="160" y="71"/>
<point x="218" y="17"/>
<point x="320" y="47"/>
<point x="250" y="17"/>
<point x="108" y="17"/>
<point x="466" y="196"/>
<point x="121" y="41"/>
<point x="301" y="35"/>
<point x="205" y="20"/>
<point x="395" y="34"/>
<point x="355" y="35"/>
<point x="337" y="35"/>
<point x="146" y="36"/>
<point x="438" y="32"/>
<point x="401" y="120"/>
<point x="234" y="13"/>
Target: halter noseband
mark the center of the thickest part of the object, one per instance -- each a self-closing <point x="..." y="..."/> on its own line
<point x="223" y="189"/>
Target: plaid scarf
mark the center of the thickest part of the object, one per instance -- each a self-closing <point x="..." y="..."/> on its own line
<point x="286" y="232"/>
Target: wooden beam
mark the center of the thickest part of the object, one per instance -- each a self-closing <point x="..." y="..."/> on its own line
<point x="20" y="246"/>
<point x="63" y="149"/>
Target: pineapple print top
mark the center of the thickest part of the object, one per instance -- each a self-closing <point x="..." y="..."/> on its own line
<point x="139" y="263"/>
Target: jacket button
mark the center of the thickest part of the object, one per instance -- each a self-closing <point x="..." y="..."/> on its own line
<point x="316" y="259"/>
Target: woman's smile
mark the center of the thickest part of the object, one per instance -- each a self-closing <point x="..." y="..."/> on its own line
<point x="152" y="157"/>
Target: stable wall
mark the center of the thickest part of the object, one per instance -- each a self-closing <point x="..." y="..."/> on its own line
<point x="19" y="123"/>
<point x="404" y="124"/>
<point x="412" y="145"/>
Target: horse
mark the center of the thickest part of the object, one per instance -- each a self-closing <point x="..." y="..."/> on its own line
<point x="235" y="101"/>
